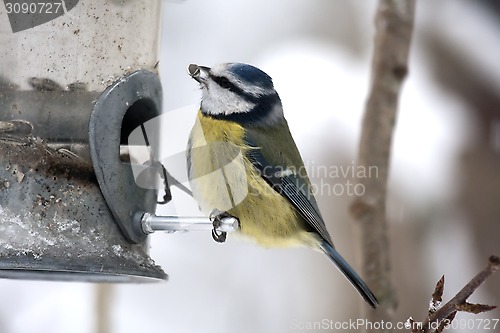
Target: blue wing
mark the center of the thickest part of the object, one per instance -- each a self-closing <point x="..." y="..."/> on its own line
<point x="297" y="190"/>
<point x="290" y="185"/>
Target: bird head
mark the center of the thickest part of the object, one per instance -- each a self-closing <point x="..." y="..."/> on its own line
<point x="237" y="92"/>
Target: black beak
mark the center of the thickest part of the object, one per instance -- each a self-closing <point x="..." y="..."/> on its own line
<point x="199" y="73"/>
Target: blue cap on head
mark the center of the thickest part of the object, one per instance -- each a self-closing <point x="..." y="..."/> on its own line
<point x="251" y="75"/>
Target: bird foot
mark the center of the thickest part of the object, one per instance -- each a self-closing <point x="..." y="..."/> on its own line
<point x="217" y="216"/>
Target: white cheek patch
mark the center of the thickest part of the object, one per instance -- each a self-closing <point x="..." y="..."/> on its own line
<point x="217" y="100"/>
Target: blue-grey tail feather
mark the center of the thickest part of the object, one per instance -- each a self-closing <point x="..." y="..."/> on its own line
<point x="350" y="274"/>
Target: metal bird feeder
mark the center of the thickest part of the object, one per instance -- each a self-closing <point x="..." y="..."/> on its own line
<point x="73" y="86"/>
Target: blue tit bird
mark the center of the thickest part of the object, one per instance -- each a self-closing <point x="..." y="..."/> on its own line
<point x="242" y="159"/>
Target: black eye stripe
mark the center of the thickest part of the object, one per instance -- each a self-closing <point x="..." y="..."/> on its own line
<point x="223" y="82"/>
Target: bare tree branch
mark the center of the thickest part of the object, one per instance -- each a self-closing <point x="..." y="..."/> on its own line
<point x="394" y="25"/>
<point x="444" y="315"/>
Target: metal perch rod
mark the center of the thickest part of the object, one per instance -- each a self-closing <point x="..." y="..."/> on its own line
<point x="151" y="223"/>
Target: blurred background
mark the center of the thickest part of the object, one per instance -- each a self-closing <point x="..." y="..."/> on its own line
<point x="444" y="191"/>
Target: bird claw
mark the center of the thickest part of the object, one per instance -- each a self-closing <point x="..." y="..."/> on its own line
<point x="216" y="217"/>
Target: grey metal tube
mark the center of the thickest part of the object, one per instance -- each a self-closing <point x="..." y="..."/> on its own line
<point x="151" y="223"/>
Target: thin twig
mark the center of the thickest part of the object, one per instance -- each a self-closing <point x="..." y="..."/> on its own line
<point x="394" y="25"/>
<point x="437" y="296"/>
<point x="459" y="302"/>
